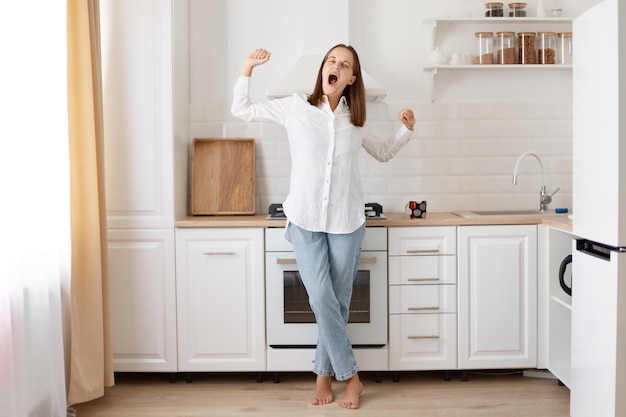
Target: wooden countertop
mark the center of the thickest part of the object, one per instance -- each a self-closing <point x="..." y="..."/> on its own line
<point x="561" y="221"/>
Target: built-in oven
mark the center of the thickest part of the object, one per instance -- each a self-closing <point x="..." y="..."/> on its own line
<point x="290" y="321"/>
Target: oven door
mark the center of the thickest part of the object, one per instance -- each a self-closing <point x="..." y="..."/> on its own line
<point x="290" y="321"/>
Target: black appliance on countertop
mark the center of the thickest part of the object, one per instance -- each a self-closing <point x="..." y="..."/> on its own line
<point x="373" y="211"/>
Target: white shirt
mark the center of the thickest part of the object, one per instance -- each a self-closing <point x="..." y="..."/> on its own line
<point x="326" y="194"/>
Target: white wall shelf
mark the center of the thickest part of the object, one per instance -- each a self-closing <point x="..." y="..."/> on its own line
<point x="499" y="67"/>
<point x="505" y="20"/>
<point x="510" y="23"/>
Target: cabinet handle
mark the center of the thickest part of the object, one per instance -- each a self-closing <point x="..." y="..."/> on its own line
<point x="417" y="251"/>
<point x="423" y="308"/>
<point x="422" y="279"/>
<point x="286" y="261"/>
<point x="422" y="337"/>
<point x="220" y="253"/>
<point x="368" y="261"/>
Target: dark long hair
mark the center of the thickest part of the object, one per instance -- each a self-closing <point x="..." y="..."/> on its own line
<point x="354" y="94"/>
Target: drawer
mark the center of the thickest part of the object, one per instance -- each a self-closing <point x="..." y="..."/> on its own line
<point x="422" y="299"/>
<point x="422" y="342"/>
<point x="422" y="269"/>
<point x="416" y="241"/>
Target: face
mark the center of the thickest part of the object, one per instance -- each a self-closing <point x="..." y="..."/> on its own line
<point x="337" y="72"/>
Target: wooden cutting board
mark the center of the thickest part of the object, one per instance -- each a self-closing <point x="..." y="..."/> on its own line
<point x="223" y="177"/>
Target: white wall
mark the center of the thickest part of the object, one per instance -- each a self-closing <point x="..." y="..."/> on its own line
<point x="465" y="143"/>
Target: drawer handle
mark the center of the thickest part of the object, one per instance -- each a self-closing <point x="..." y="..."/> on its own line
<point x="219" y="253"/>
<point x="368" y="261"/>
<point x="418" y="251"/>
<point x="286" y="261"/>
<point x="422" y="279"/>
<point x="422" y="337"/>
<point x="423" y="308"/>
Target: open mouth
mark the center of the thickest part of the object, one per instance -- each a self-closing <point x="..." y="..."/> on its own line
<point x="332" y="79"/>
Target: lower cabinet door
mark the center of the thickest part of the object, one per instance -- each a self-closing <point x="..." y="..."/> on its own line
<point x="220" y="299"/>
<point x="422" y="341"/>
<point x="143" y="300"/>
<point x="497" y="296"/>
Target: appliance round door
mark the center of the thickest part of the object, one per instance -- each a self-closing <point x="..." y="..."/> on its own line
<point x="562" y="275"/>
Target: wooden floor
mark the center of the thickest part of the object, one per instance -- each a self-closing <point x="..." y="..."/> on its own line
<point x="484" y="394"/>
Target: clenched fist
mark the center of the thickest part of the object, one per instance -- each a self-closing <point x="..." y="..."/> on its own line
<point x="407" y="118"/>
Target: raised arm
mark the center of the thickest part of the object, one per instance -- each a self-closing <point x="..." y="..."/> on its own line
<point x="255" y="58"/>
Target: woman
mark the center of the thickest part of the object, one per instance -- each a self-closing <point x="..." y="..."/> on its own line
<point x="325" y="206"/>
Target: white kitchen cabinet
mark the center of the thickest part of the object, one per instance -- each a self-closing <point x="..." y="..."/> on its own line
<point x="143" y="300"/>
<point x="138" y="111"/>
<point x="137" y="85"/>
<point x="220" y="299"/>
<point x="422" y="298"/>
<point x="497" y="296"/>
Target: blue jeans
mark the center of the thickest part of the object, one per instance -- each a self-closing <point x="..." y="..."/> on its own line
<point x="328" y="264"/>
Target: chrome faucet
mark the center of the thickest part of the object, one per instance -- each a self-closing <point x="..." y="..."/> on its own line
<point x="544" y="197"/>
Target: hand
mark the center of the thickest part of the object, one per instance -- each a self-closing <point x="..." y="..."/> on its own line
<point x="257" y="57"/>
<point x="407" y="118"/>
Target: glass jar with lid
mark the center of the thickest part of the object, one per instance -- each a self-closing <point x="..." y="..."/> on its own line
<point x="517" y="9"/>
<point x="484" y="48"/>
<point x="494" y="9"/>
<point x="564" y="48"/>
<point x="526" y="49"/>
<point x="505" y="47"/>
<point x="546" y="48"/>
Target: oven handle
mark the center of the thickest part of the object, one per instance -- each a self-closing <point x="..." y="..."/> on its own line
<point x="292" y="261"/>
<point x="286" y="261"/>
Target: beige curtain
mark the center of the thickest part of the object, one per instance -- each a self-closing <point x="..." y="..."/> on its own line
<point x="91" y="364"/>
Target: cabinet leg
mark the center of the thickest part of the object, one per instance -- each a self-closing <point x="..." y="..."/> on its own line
<point x="396" y="377"/>
<point x="464" y="376"/>
<point x="173" y="378"/>
<point x="276" y="378"/>
<point x="259" y="378"/>
<point x="378" y="377"/>
<point x="189" y="378"/>
<point x="446" y="375"/>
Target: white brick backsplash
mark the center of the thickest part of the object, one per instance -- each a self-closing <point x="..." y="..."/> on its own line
<point x="461" y="156"/>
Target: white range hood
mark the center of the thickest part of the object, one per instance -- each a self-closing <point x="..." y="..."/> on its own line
<point x="302" y="76"/>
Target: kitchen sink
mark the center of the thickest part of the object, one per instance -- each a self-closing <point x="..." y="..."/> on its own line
<point x="501" y="213"/>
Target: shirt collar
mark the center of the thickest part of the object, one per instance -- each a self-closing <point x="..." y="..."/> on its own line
<point x="343" y="103"/>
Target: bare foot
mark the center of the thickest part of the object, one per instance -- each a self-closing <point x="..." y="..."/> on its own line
<point x="354" y="388"/>
<point x="323" y="391"/>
